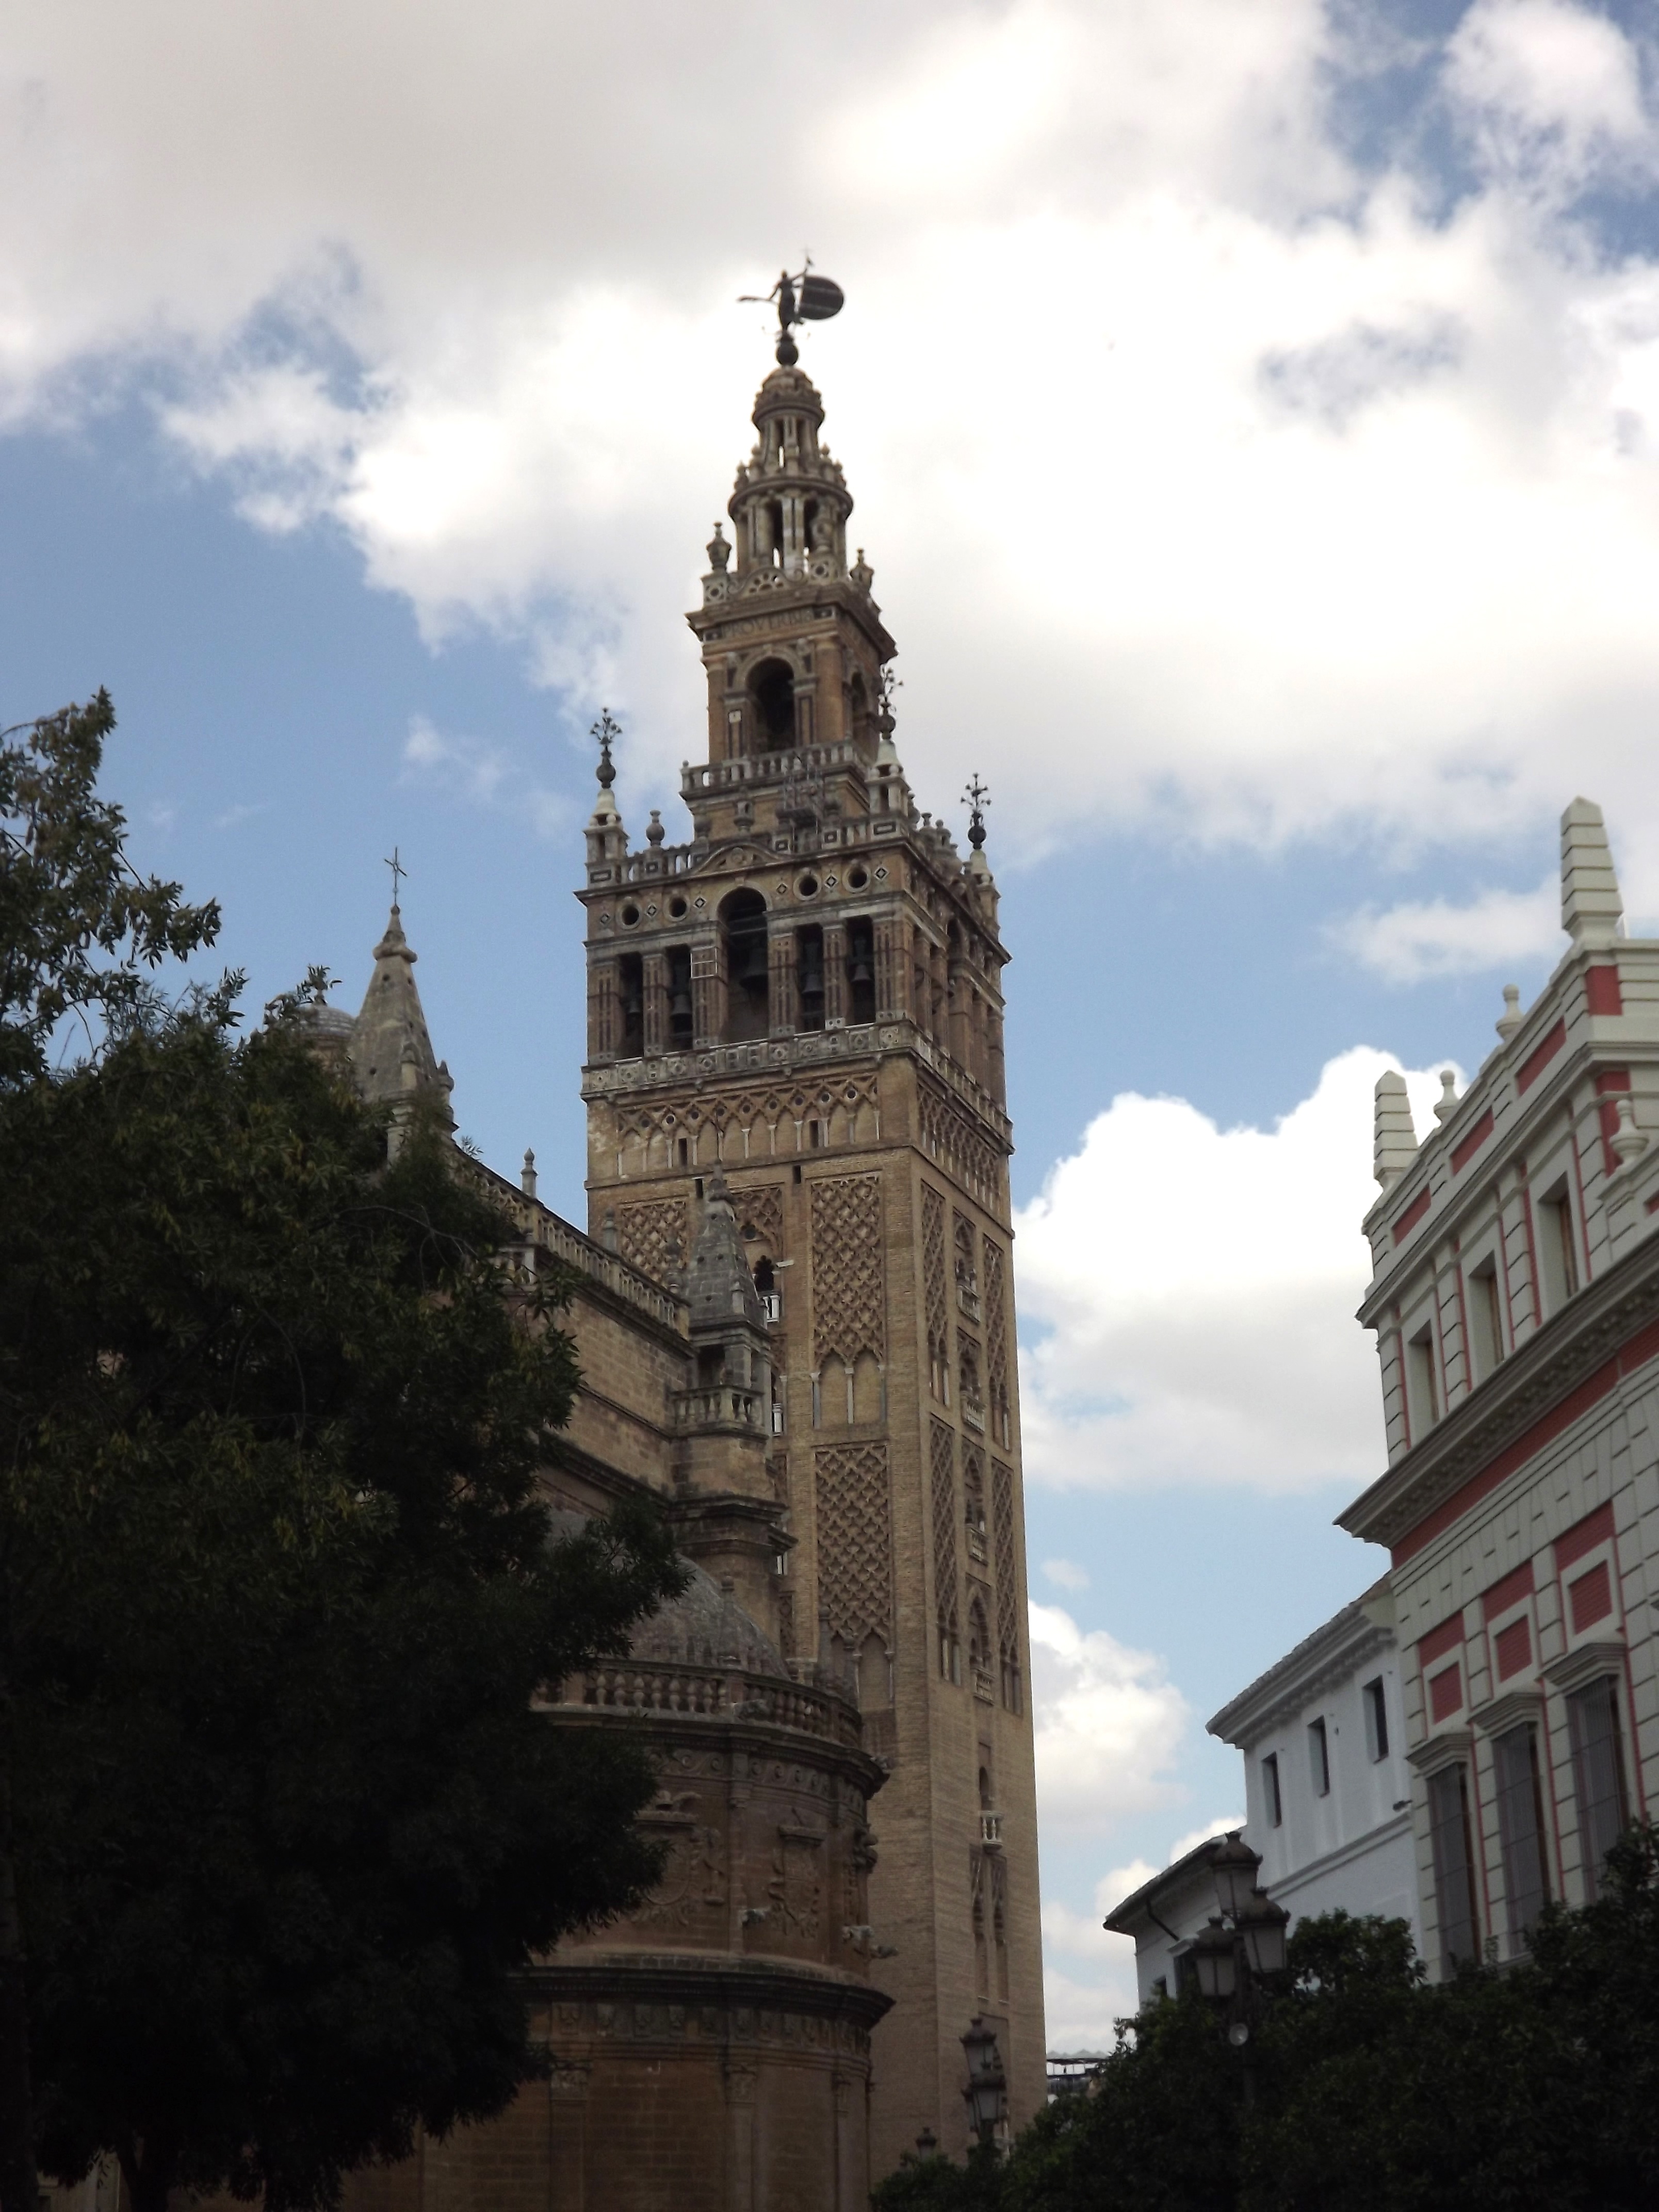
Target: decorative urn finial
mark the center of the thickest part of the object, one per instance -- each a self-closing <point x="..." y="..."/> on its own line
<point x="605" y="730"/>
<point x="977" y="799"/>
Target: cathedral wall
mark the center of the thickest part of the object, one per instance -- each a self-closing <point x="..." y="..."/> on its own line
<point x="628" y="1370"/>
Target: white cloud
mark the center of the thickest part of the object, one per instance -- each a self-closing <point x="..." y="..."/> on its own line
<point x="1109" y="1724"/>
<point x="1438" y="937"/>
<point x="1196" y="1289"/>
<point x="1211" y="485"/>
<point x="1065" y="1574"/>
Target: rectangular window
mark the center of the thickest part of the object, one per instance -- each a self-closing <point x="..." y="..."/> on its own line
<point x="1598" y="1775"/>
<point x="1270" y="1791"/>
<point x="1454" y="1862"/>
<point x="1419" y="1382"/>
<point x="1376" y="1720"/>
<point x="1485" y="1322"/>
<point x="1319" y="1759"/>
<point x="1520" y="1827"/>
<point x="1557" y="1260"/>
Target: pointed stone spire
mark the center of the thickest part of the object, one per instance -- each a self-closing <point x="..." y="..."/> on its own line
<point x="1395" y="1146"/>
<point x="1592" y="912"/>
<point x="392" y="1054"/>
<point x="719" y="1288"/>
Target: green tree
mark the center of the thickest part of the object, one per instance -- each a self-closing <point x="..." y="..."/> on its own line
<point x="277" y="1586"/>
<point x="1528" y="2089"/>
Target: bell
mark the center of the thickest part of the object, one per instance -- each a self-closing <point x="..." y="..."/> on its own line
<point x="754" y="962"/>
<point x="679" y="1007"/>
<point x="860" y="970"/>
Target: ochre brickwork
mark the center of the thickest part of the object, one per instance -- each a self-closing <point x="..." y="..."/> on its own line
<point x="849" y="1269"/>
<point x="855" y="1543"/>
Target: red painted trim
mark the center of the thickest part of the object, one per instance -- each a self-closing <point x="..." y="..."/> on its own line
<point x="1468" y="1146"/>
<point x="1583" y="1536"/>
<point x="1540" y="1056"/>
<point x="1409" y="1220"/>
<point x="1641" y="1348"/>
<point x="1611" y="1078"/>
<point x="1589" y="1597"/>
<point x="1449" y="1636"/>
<point x="1445" y="1691"/>
<point x="1510" y="1591"/>
<point x="1512" y="1649"/>
<point x="1602" y="990"/>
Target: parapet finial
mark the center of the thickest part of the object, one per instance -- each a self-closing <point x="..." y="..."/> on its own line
<point x="1592" y="912"/>
<point x="977" y="799"/>
<point x="1395" y="1143"/>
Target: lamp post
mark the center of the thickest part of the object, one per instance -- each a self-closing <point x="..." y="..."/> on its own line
<point x="985" y="2095"/>
<point x="1242" y="1946"/>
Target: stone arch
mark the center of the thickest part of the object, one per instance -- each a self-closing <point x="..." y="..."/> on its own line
<point x="771" y="690"/>
<point x="745" y="962"/>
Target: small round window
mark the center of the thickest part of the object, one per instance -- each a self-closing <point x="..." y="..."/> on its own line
<point x="676" y="907"/>
<point x="857" y="878"/>
<point x="628" y="916"/>
<point x="807" y="886"/>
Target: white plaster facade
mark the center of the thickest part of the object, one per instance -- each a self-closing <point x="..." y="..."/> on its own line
<point x="1516" y="1301"/>
<point x="1323" y="1739"/>
<point x="1327" y="1786"/>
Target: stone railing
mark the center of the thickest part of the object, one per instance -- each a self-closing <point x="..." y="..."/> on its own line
<point x="554" y="1234"/>
<point x="724" y="1403"/>
<point x="714" y="1693"/>
<point x="990" y="1832"/>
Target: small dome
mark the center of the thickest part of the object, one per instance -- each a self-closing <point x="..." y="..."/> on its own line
<point x="703" y="1626"/>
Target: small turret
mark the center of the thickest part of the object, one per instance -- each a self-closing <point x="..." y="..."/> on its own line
<point x="607" y="837"/>
<point x="392" y="1057"/>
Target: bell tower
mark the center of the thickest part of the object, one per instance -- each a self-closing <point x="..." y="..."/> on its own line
<point x="798" y="1010"/>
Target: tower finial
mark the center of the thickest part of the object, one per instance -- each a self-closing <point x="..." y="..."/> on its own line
<point x="802" y="298"/>
<point x="604" y="730"/>
<point x="399" y="872"/>
<point x="977" y="799"/>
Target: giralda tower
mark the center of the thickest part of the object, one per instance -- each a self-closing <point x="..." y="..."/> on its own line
<point x="806" y="997"/>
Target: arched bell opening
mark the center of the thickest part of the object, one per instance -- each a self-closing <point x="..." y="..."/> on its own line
<point x="772" y="704"/>
<point x="860" y="723"/>
<point x="743" y="930"/>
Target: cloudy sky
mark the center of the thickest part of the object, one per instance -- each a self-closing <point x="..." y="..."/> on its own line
<point x="1253" y="409"/>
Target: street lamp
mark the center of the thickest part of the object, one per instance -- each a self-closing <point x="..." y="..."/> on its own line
<point x="987" y="2084"/>
<point x="1262" y="1926"/>
<point x="1234" y="1867"/>
<point x="1214" y="1953"/>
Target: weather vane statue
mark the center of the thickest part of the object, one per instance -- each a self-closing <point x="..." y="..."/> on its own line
<point x="607" y="731"/>
<point x="805" y="298"/>
<point x="977" y="799"/>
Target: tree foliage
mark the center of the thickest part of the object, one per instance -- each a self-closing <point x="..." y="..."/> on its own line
<point x="1364" y="2089"/>
<point x="277" y="1585"/>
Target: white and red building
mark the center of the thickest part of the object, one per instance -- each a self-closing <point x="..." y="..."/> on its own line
<point x="1515" y="1296"/>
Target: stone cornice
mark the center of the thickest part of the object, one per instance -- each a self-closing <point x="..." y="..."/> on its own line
<point x="1566" y="1352"/>
<point x="1326" y="1657"/>
<point x="717" y="1979"/>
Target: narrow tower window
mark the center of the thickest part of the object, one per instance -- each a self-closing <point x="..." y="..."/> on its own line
<point x="631" y="996"/>
<point x="809" y="976"/>
<point x="680" y="1024"/>
<point x="861" y="971"/>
